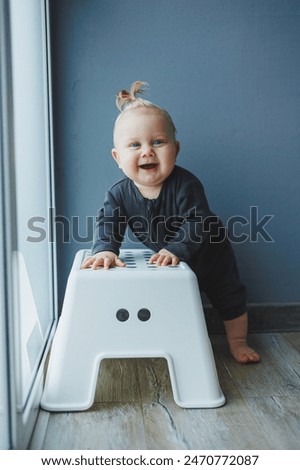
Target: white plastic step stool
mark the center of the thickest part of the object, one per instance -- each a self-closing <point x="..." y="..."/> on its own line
<point x="137" y="311"/>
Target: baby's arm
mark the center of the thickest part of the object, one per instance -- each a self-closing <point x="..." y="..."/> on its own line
<point x="106" y="259"/>
<point x="164" y="258"/>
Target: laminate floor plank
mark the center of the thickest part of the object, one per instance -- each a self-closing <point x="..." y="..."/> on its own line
<point x="167" y="426"/>
<point x="158" y="406"/>
<point x="104" y="426"/>
<point x="273" y="376"/>
<point x="279" y="420"/>
<point x="118" y="382"/>
<point x="293" y="338"/>
<point x="134" y="406"/>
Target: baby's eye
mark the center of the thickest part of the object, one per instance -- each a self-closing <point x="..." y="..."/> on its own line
<point x="135" y="145"/>
<point x="157" y="142"/>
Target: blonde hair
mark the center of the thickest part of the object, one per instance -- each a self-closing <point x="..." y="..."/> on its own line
<point x="127" y="100"/>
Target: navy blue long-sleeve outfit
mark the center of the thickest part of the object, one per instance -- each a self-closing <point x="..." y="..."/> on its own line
<point x="180" y="221"/>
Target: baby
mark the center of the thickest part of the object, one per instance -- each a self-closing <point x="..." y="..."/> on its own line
<point x="166" y="208"/>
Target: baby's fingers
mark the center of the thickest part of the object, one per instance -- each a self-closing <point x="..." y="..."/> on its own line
<point x="109" y="262"/>
<point x="153" y="258"/>
<point x="96" y="262"/>
<point x="160" y="259"/>
<point x="119" y="262"/>
<point x="163" y="259"/>
<point x="92" y="262"/>
<point x="175" y="260"/>
<point x="87" y="263"/>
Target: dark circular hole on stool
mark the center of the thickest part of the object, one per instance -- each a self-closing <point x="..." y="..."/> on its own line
<point x="144" y="314"/>
<point x="122" y="314"/>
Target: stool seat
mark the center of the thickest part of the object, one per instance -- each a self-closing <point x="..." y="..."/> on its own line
<point x="140" y="310"/>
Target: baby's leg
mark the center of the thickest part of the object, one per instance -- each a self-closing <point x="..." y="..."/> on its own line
<point x="218" y="277"/>
<point x="236" y="331"/>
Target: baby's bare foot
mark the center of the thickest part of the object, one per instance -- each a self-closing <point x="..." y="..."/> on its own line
<point x="236" y="331"/>
<point x="242" y="353"/>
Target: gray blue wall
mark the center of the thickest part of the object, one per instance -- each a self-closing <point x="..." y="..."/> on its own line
<point x="228" y="71"/>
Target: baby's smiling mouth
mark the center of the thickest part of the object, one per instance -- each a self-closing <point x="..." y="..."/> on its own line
<point x="148" y="166"/>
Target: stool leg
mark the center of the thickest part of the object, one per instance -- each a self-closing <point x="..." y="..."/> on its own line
<point x="71" y="377"/>
<point x="194" y="378"/>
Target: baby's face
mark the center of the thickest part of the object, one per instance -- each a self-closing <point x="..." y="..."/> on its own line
<point x="145" y="149"/>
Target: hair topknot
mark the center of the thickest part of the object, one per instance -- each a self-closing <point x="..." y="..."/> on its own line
<point x="126" y="98"/>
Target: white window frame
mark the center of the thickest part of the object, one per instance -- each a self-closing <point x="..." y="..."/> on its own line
<point x="19" y="423"/>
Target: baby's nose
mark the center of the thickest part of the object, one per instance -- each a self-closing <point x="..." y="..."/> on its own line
<point x="147" y="151"/>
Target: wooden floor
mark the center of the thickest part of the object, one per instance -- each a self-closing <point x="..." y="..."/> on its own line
<point x="134" y="407"/>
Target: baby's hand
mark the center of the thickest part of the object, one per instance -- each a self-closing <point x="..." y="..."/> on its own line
<point x="164" y="258"/>
<point x="106" y="259"/>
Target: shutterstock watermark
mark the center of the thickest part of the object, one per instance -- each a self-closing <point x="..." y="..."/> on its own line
<point x="191" y="228"/>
